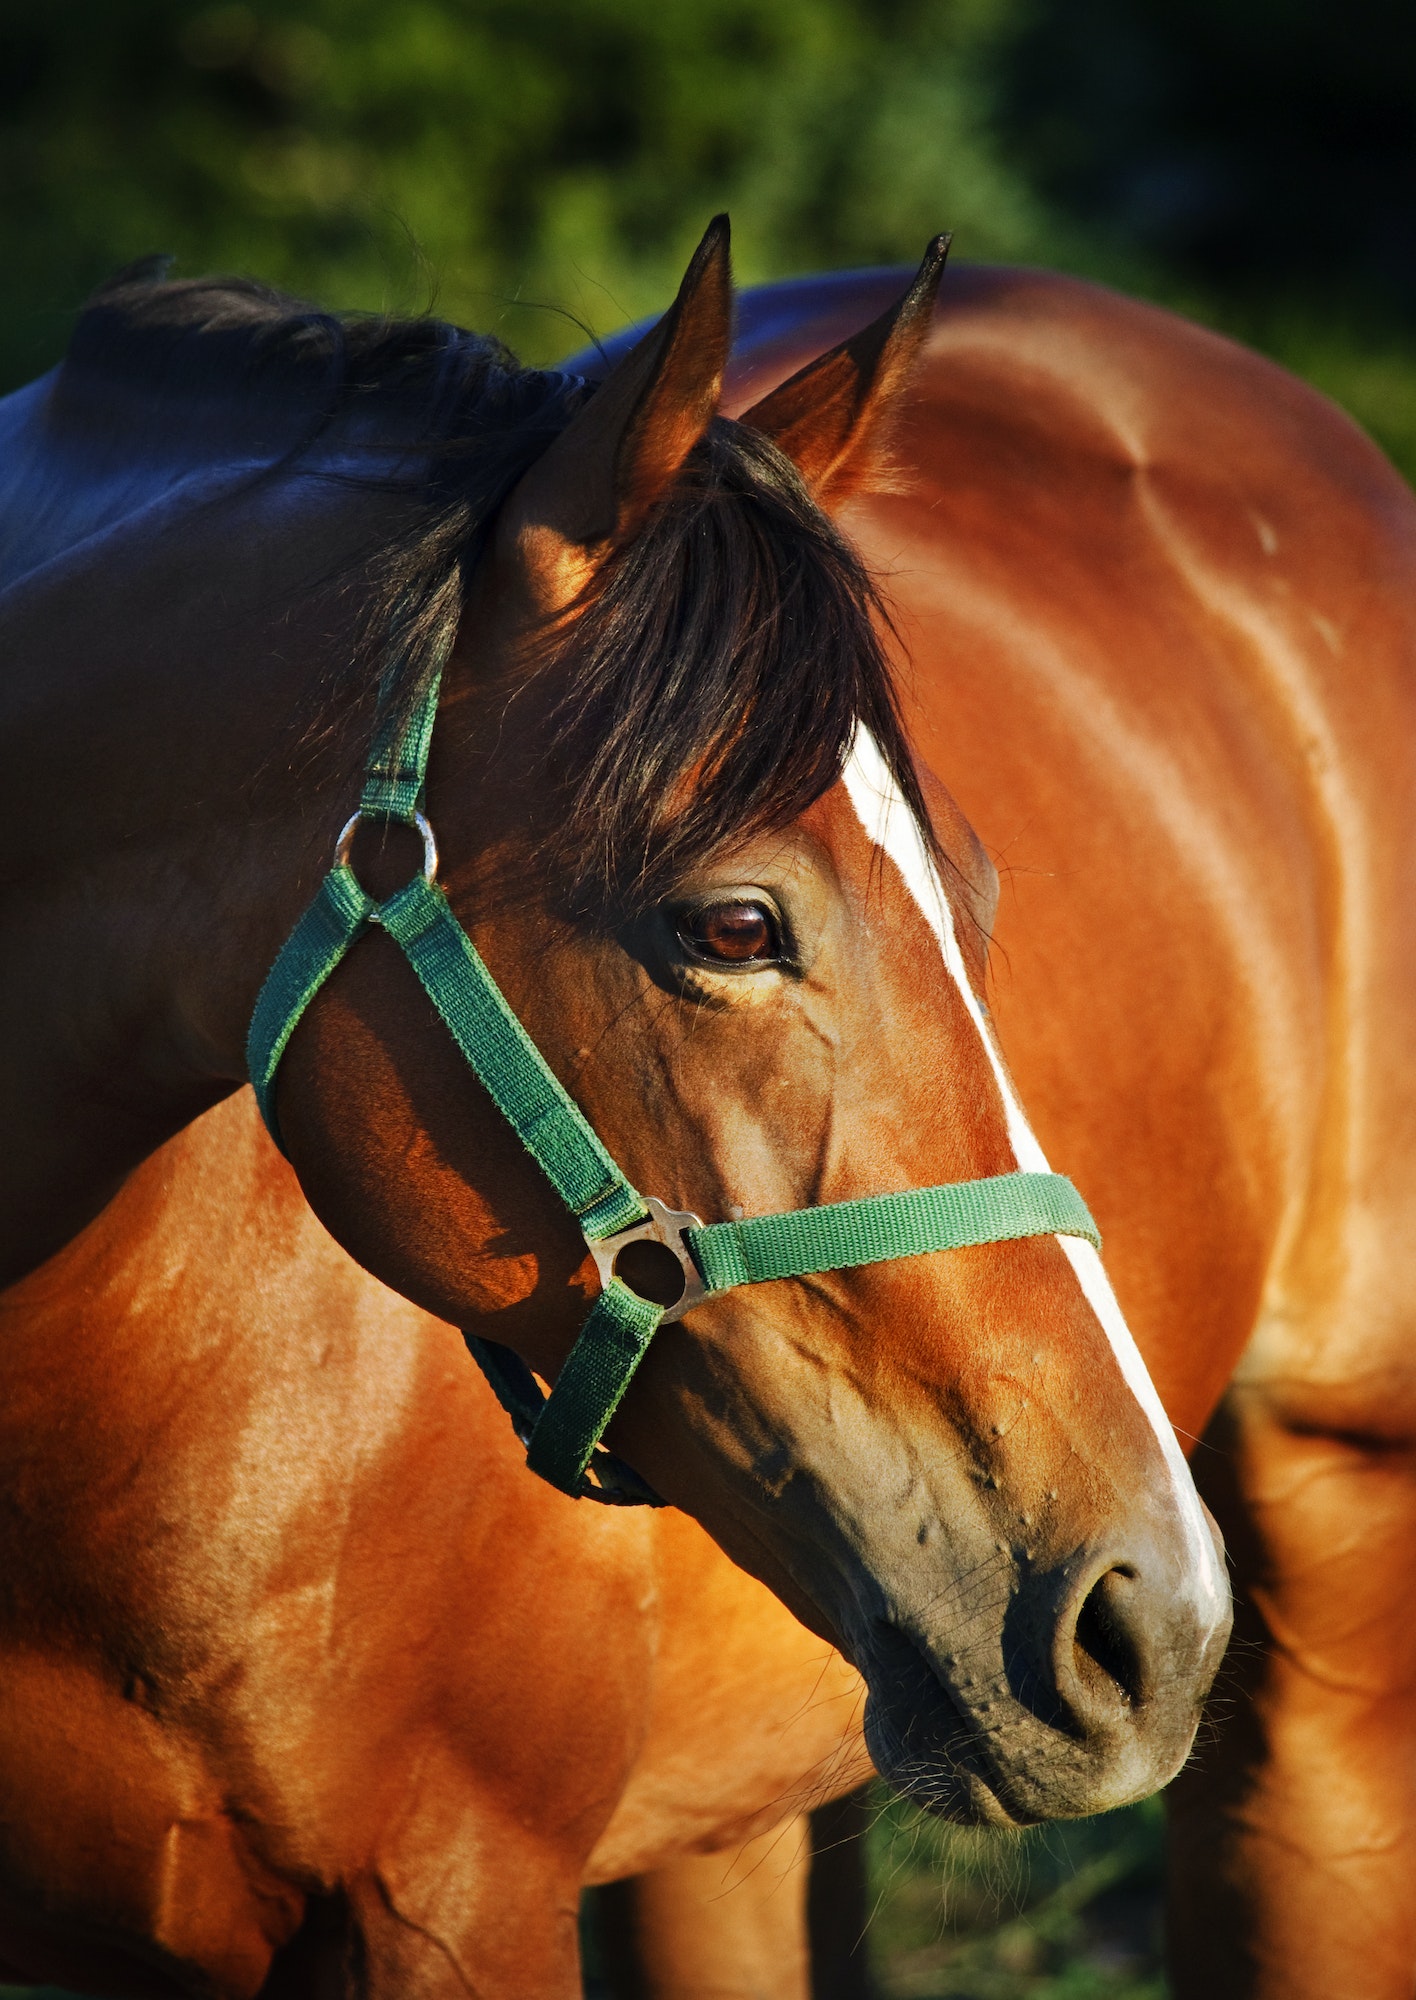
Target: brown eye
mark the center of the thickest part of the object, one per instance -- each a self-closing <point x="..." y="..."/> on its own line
<point x="737" y="933"/>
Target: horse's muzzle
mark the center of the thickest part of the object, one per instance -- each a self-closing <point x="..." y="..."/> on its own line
<point x="1085" y="1696"/>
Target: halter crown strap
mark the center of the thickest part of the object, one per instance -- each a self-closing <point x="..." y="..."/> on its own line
<point x="563" y="1433"/>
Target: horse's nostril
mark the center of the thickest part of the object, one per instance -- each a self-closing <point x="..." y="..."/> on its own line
<point x="1103" y="1649"/>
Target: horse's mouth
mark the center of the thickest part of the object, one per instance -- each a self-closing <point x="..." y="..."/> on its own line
<point x="924" y="1743"/>
<point x="1001" y="1762"/>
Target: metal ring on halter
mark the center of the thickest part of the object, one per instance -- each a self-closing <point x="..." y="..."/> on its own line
<point x="345" y="842"/>
<point x="663" y="1225"/>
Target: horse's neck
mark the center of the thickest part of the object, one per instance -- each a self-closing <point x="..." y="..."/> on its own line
<point x="159" y="673"/>
<point x="80" y="456"/>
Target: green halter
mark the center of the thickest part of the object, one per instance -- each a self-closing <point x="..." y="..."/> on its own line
<point x="562" y="1433"/>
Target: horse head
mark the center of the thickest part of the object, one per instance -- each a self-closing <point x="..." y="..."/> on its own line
<point x="677" y="813"/>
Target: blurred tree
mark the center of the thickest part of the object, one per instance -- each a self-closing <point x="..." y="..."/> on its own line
<point x="477" y="153"/>
<point x="1253" y="161"/>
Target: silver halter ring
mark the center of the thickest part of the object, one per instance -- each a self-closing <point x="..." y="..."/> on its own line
<point x="665" y="1226"/>
<point x="345" y="842"/>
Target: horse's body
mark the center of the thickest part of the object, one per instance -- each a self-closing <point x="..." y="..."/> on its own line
<point x="1160" y="601"/>
<point x="276" y="1486"/>
<point x="297" y="1658"/>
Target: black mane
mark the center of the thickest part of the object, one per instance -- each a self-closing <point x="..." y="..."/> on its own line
<point x="725" y="657"/>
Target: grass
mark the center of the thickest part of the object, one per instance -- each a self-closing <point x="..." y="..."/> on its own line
<point x="1068" y="1912"/>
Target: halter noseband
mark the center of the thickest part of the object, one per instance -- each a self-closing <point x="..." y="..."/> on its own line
<point x="562" y="1432"/>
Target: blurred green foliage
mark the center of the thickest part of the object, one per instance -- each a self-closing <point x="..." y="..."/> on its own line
<point x="1267" y="146"/>
<point x="512" y="162"/>
<point x="475" y="154"/>
<point x="1066" y="1912"/>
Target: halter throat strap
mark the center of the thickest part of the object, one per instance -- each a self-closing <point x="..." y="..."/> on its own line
<point x="563" y="1432"/>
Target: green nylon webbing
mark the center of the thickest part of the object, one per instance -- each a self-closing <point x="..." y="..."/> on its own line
<point x="591" y="1384"/>
<point x="521" y="1396"/>
<point x="525" y="1089"/>
<point x="842" y="1234"/>
<point x="309" y="955"/>
<point x="398" y="762"/>
<point x="565" y="1430"/>
<point x="455" y="977"/>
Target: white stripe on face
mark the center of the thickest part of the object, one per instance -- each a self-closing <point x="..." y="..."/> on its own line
<point x="891" y="825"/>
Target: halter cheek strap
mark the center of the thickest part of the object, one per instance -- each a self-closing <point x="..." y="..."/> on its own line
<point x="563" y="1432"/>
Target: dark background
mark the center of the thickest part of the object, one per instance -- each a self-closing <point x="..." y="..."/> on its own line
<point x="1251" y="161"/>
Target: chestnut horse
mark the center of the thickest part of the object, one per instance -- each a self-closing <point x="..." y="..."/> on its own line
<point x="310" y="1686"/>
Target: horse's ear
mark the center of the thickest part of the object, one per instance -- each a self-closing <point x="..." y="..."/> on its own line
<point x="593" y="487"/>
<point x="832" y="418"/>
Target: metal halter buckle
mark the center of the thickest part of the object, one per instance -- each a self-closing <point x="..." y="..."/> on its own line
<point x="344" y="845"/>
<point x="666" y="1226"/>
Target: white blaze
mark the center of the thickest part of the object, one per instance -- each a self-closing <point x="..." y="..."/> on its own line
<point x="892" y="826"/>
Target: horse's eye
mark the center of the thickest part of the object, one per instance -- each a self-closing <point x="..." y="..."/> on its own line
<point x="736" y="933"/>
